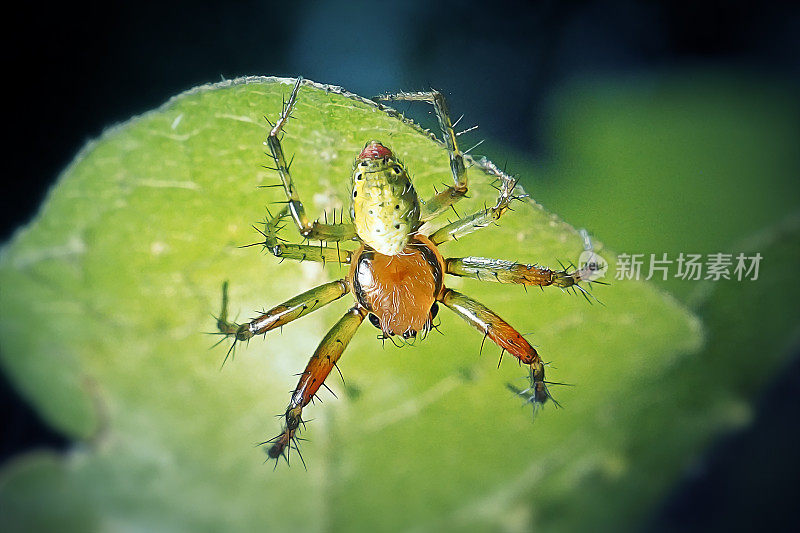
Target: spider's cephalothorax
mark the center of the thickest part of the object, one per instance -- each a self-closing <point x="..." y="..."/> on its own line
<point x="397" y="272"/>
<point x="385" y="208"/>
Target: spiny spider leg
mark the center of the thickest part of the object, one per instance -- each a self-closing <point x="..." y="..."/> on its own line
<point x="310" y="230"/>
<point x="485" y="217"/>
<point x="313" y="377"/>
<point x="282" y="314"/>
<point x="485" y="269"/>
<point x="442" y="201"/>
<point x="298" y="252"/>
<point x="501" y="333"/>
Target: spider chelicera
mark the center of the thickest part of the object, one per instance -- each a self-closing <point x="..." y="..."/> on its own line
<point x="397" y="272"/>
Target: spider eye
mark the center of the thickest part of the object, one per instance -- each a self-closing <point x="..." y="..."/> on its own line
<point x="375" y="322"/>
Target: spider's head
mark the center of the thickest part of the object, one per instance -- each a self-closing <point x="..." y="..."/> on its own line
<point x="385" y="208"/>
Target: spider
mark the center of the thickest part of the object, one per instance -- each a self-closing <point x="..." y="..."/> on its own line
<point x="396" y="274"/>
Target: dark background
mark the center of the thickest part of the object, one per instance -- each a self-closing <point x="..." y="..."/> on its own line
<point x="75" y="69"/>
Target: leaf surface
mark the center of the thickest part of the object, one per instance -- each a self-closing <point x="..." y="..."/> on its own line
<point x="107" y="294"/>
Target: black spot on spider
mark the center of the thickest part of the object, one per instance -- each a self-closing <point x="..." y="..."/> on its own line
<point x="355" y="193"/>
<point x="374" y="320"/>
<point x="397" y="207"/>
<point x="397" y="226"/>
<point x="359" y="177"/>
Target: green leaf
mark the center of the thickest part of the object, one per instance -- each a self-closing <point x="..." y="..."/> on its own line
<point x="694" y="162"/>
<point x="689" y="161"/>
<point x="107" y="294"/>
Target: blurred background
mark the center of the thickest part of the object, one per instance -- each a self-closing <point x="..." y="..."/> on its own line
<point x="567" y="95"/>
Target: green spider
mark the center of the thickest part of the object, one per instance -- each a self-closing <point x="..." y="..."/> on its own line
<point x="397" y="272"/>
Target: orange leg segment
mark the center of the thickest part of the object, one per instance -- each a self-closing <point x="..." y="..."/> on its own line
<point x="501" y="333"/>
<point x="313" y="377"/>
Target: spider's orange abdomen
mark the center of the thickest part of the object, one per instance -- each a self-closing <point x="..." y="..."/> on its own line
<point x="400" y="290"/>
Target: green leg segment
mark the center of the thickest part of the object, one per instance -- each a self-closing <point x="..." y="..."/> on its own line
<point x="310" y="230"/>
<point x="282" y="314"/>
<point x="443" y="200"/>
